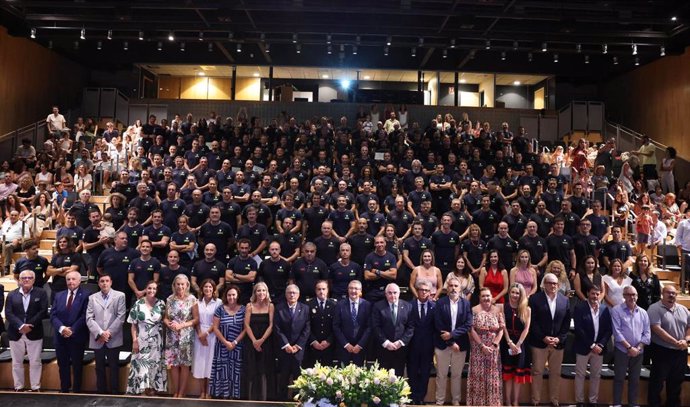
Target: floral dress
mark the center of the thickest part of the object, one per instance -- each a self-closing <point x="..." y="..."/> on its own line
<point x="178" y="345"/>
<point x="484" y="381"/>
<point x="146" y="369"/>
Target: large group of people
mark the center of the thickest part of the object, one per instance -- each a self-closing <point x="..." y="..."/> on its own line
<point x="239" y="253"/>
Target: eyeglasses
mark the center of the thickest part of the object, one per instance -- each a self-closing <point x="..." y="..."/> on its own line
<point x="26" y="278"/>
<point x="630" y="295"/>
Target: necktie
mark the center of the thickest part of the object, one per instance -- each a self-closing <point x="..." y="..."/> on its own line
<point x="423" y="311"/>
<point x="292" y="312"/>
<point x="394" y="313"/>
<point x="70" y="300"/>
<point x="321" y="305"/>
<point x="353" y="313"/>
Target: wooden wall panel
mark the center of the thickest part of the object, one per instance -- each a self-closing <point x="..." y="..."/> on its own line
<point x="248" y="89"/>
<point x="219" y="88"/>
<point x="168" y="87"/>
<point x="192" y="87"/>
<point x="33" y="79"/>
<point x="655" y="100"/>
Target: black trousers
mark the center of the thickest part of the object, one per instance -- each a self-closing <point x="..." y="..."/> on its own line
<point x="394" y="359"/>
<point x="419" y="364"/>
<point x="70" y="358"/>
<point x="668" y="366"/>
<point x="109" y="357"/>
<point x="324" y="357"/>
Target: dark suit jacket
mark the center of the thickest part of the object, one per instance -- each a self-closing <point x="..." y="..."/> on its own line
<point x="343" y="329"/>
<point x="14" y="312"/>
<point x="543" y="325"/>
<point x="584" y="328"/>
<point x="442" y="322"/>
<point x="321" y="321"/>
<point x="421" y="340"/>
<point x="382" y="323"/>
<point x="74" y="318"/>
<point x="2" y="305"/>
<point x="291" y="331"/>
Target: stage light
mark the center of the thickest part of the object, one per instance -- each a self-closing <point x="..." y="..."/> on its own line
<point x="544" y="47"/>
<point x="345" y="83"/>
<point x="487" y="44"/>
<point x="82" y="34"/>
<point x="578" y="48"/>
<point x="634" y="49"/>
<point x="125" y="46"/>
<point x="615" y="60"/>
<point x="210" y="47"/>
<point x="445" y="53"/>
<point x="141" y="36"/>
<point x="604" y="49"/>
<point x="329" y="39"/>
<point x="516" y="83"/>
<point x="452" y="42"/>
<point x="159" y="46"/>
<point x="662" y="51"/>
<point x="268" y="48"/>
<point x="354" y="50"/>
<point x="33" y="33"/>
<point x="529" y="56"/>
<point x="515" y="45"/>
<point x="171" y="36"/>
<point x="555" y="58"/>
<point x="385" y="51"/>
<point x="99" y="45"/>
<point x="586" y="59"/>
<point x="414" y="52"/>
<point x="182" y="46"/>
<point x="110" y="34"/>
<point x="389" y="40"/>
<point x="503" y="55"/>
<point x="298" y="48"/>
<point x="201" y="36"/>
<point x="294" y="38"/>
<point x="329" y="50"/>
<point x="637" y="61"/>
<point x="239" y="48"/>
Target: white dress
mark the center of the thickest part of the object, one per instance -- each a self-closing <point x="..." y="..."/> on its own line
<point x="203" y="355"/>
<point x="667" y="178"/>
<point x="614" y="290"/>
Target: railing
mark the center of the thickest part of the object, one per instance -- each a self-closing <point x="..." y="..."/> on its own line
<point x="34" y="132"/>
<point x="581" y="116"/>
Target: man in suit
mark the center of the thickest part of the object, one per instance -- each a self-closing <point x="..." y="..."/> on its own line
<point x="548" y="331"/>
<point x="68" y="316"/>
<point x="452" y="322"/>
<point x="291" y="325"/>
<point x="2" y="305"/>
<point x="592" y="331"/>
<point x="351" y="326"/>
<point x="25" y="309"/>
<point x="421" y="355"/>
<point x="391" y="321"/>
<point x="321" y="343"/>
<point x="105" y="315"/>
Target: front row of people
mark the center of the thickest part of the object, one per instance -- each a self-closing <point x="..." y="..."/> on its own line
<point x="254" y="351"/>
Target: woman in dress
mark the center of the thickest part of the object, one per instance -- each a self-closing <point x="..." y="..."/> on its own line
<point x="587" y="277"/>
<point x="615" y="282"/>
<point x="515" y="357"/>
<point x="41" y="216"/>
<point x="462" y="273"/>
<point x="428" y="272"/>
<point x="181" y="315"/>
<point x="205" y="339"/>
<point x="26" y="192"/>
<point x="228" y="325"/>
<point x="645" y="282"/>
<point x="668" y="182"/>
<point x="494" y="277"/>
<point x="82" y="178"/>
<point x="259" y="356"/>
<point x="484" y="385"/>
<point x="524" y="273"/>
<point x="44" y="177"/>
<point x="147" y="373"/>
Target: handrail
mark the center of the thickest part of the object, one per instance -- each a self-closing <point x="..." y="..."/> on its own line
<point x="634" y="134"/>
<point x="22" y="129"/>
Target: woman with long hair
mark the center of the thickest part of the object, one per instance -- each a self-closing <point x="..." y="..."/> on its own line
<point x="41" y="216"/>
<point x="516" y="358"/>
<point x="557" y="268"/>
<point x="524" y="273"/>
<point x="428" y="272"/>
<point x="645" y="282"/>
<point x="495" y="278"/>
<point x="205" y="339"/>
<point x="181" y="315"/>
<point x="464" y="276"/>
<point x="259" y="355"/>
<point x="228" y="325"/>
<point x="26" y="191"/>
<point x="12" y="203"/>
<point x="616" y="280"/>
<point x="588" y="276"/>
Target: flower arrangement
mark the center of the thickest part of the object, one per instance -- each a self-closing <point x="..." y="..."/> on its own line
<point x="350" y="386"/>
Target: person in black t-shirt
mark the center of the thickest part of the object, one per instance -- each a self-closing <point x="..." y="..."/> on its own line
<point x="33" y="262"/>
<point x="361" y="242"/>
<point x="241" y="270"/>
<point x="159" y="235"/>
<point x="217" y="232"/>
<point x="307" y="270"/>
<point x="143" y="269"/>
<point x="342" y="272"/>
<point x="535" y="245"/>
<point x="617" y="248"/>
<point x="560" y="247"/>
<point x="313" y="218"/>
<point x="64" y="261"/>
<point x="380" y="268"/>
<point x="486" y="219"/>
<point x="94" y="242"/>
<point x="208" y="267"/>
<point x="327" y="245"/>
<point x="167" y="274"/>
<point x="289" y="242"/>
<point x="275" y="272"/>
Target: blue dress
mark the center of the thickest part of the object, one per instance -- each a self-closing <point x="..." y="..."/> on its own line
<point x="226" y="379"/>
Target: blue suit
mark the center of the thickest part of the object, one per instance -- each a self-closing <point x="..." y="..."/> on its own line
<point x="290" y="330"/>
<point x="70" y="351"/>
<point x="345" y="331"/>
<point x="544" y="325"/>
<point x="421" y="354"/>
<point x="584" y="328"/>
<point x="386" y="330"/>
<point x="463" y="324"/>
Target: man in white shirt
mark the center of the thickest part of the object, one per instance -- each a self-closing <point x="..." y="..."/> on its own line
<point x="682" y="242"/>
<point x="56" y="123"/>
<point x="13" y="232"/>
<point x="659" y="234"/>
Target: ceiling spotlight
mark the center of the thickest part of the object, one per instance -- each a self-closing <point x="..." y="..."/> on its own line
<point x="201" y="36"/>
<point x="268" y="48"/>
<point x="82" y="34"/>
<point x="385" y="51"/>
<point x="33" y="33"/>
<point x="125" y="45"/>
<point x="544" y="47"/>
<point x="329" y="39"/>
<point x="298" y="48"/>
<point x="452" y="42"/>
<point x="634" y="49"/>
<point x="674" y="18"/>
<point x="529" y="56"/>
<point x="421" y="42"/>
<point x="555" y="58"/>
<point x="171" y="36"/>
<point x="329" y="50"/>
<point x="445" y="53"/>
<point x="615" y="60"/>
<point x="472" y="54"/>
<point x="358" y="40"/>
<point x="515" y="45"/>
<point x="463" y="80"/>
<point x="516" y="83"/>
<point x="487" y="45"/>
<point x="503" y="55"/>
<point x="345" y="83"/>
<point x="414" y="52"/>
<point x="182" y="46"/>
<point x="99" y="45"/>
<point x="76" y="45"/>
<point x="586" y="59"/>
<point x="110" y="34"/>
<point x="637" y="61"/>
<point x="662" y="51"/>
<point x="210" y="47"/>
<point x="159" y="46"/>
<point x="262" y="37"/>
<point x="239" y="47"/>
<point x="201" y="73"/>
<point x="294" y="38"/>
<point x="389" y="40"/>
<point x="354" y="50"/>
<point x="578" y="48"/>
<point x="604" y="49"/>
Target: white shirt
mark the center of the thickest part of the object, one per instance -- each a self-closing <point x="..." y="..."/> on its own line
<point x="453" y="313"/>
<point x="682" y="237"/>
<point x="595" y="320"/>
<point x="56" y="123"/>
<point x="11" y="231"/>
<point x="659" y="232"/>
<point x="552" y="304"/>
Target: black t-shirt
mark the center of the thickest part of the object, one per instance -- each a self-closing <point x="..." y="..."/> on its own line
<point x="256" y="234"/>
<point x="617" y="250"/>
<point x="552" y="200"/>
<point x="475" y="251"/>
<point x="203" y="269"/>
<point x="75" y="234"/>
<point x="487" y="222"/>
<point x="559" y="248"/>
<point x="585" y="245"/>
<point x="375" y="288"/>
<point x="544" y="223"/>
<point x="327" y="249"/>
<point x="579" y="205"/>
<point x="229" y="212"/>
<point x="165" y="280"/>
<point x="172" y="210"/>
<point x="400" y="220"/>
<point x="243" y="267"/>
<point x="116" y="263"/>
<point x="536" y="246"/>
<point x="506" y="249"/>
<point x="133" y="234"/>
<point x="361" y="245"/>
<point x="39" y="266"/>
<point x="197" y="214"/>
<point x="143" y="271"/>
<point x="145" y="205"/>
<point x="600" y="225"/>
<point x="289" y="242"/>
<point x="341" y="221"/>
<point x="375" y="221"/>
<point x="275" y="274"/>
<point x="307" y="274"/>
<point x="218" y="235"/>
<point x="341" y="275"/>
<point x="156" y="235"/>
<point x="92" y="235"/>
<point x="415" y="247"/>
<point x="64" y="260"/>
<point x="445" y="245"/>
<point x="516" y="224"/>
<point x="314" y="216"/>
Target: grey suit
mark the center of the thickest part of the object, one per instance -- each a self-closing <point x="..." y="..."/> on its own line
<point x="106" y="315"/>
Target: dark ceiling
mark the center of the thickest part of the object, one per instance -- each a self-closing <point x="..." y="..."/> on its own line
<point x="448" y="35"/>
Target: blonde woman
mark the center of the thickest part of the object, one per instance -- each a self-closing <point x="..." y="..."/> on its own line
<point x="427" y="271"/>
<point x="515" y="358"/>
<point x="259" y="356"/>
<point x="557" y="268"/>
<point x="524" y="273"/>
<point x="181" y="315"/>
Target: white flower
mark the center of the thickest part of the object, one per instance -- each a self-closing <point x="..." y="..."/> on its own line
<point x="312" y="386"/>
<point x="310" y="372"/>
<point x="322" y="377"/>
<point x="393" y="405"/>
<point x="392" y="379"/>
<point x="377" y="381"/>
<point x="339" y="394"/>
<point x="376" y="400"/>
<point x="329" y="381"/>
<point x="324" y="402"/>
